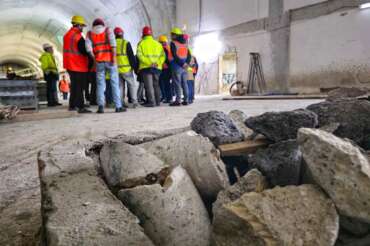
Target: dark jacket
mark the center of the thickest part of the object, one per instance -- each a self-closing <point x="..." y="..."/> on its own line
<point x="131" y="57"/>
<point x="82" y="49"/>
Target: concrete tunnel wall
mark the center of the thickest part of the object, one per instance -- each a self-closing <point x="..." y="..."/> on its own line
<point x="304" y="44"/>
<point x="26" y="25"/>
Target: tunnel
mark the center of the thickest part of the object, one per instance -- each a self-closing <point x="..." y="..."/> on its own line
<point x="273" y="149"/>
<point x="30" y="23"/>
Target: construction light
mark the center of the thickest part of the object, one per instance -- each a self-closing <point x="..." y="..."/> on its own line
<point x="207" y="47"/>
<point x="365" y="5"/>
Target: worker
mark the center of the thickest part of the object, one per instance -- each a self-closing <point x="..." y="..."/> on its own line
<point x="51" y="75"/>
<point x="77" y="63"/>
<point x="10" y="74"/>
<point x="192" y="71"/>
<point x="179" y="64"/>
<point x="64" y="87"/>
<point x="165" y="78"/>
<point x="151" y="57"/>
<point x="101" y="44"/>
<point x="126" y="61"/>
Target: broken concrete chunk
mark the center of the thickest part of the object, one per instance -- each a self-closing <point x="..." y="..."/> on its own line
<point x="198" y="156"/>
<point x="345" y="92"/>
<point x="238" y="117"/>
<point x="353" y="226"/>
<point x="253" y="181"/>
<point x="218" y="127"/>
<point x="173" y="214"/>
<point x="280" y="163"/>
<point x="126" y="165"/>
<point x="77" y="207"/>
<point x="341" y="169"/>
<point x="332" y="127"/>
<point x="280" y="126"/>
<point x="291" y="216"/>
<point x="349" y="240"/>
<point x="352" y="115"/>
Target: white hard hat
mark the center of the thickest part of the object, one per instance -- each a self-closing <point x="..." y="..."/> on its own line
<point x="45" y="46"/>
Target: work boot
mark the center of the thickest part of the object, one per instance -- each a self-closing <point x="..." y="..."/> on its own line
<point x="175" y="104"/>
<point x="185" y="103"/>
<point x="120" y="110"/>
<point x="148" y="105"/>
<point x="84" y="111"/>
<point x="135" y="105"/>
<point x="100" y="110"/>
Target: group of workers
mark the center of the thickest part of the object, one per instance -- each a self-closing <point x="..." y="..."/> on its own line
<point x="105" y="60"/>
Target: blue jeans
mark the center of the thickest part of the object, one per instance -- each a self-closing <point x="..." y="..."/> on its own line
<point x="191" y="90"/>
<point x="101" y="68"/>
<point x="180" y="80"/>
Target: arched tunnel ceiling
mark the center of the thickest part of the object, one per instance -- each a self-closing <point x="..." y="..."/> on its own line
<point x="27" y="24"/>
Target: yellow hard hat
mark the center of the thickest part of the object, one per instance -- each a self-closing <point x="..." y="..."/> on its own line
<point x="163" y="39"/>
<point x="176" y="31"/>
<point x="77" y="19"/>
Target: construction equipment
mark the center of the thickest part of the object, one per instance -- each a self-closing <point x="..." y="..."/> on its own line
<point x="21" y="93"/>
<point x="256" y="80"/>
<point x="237" y="89"/>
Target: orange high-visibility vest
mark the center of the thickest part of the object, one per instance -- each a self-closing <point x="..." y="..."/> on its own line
<point x="101" y="46"/>
<point x="73" y="60"/>
<point x="169" y="54"/>
<point x="181" y="50"/>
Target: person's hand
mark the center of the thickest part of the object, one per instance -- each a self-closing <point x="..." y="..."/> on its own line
<point x="185" y="66"/>
<point x="154" y="65"/>
<point x="114" y="60"/>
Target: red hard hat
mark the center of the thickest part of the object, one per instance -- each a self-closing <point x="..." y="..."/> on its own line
<point x="186" y="37"/>
<point x="98" y="22"/>
<point x="147" y="31"/>
<point x="118" y="31"/>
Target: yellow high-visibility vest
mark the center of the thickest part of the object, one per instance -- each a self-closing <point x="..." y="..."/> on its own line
<point x="48" y="63"/>
<point x="122" y="58"/>
<point x="150" y="51"/>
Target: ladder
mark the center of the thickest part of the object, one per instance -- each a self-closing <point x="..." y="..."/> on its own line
<point x="256" y="80"/>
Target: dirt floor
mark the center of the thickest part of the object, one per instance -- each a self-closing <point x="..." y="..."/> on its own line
<point x="20" y="142"/>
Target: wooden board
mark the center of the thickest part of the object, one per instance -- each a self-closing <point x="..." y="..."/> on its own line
<point x="43" y="116"/>
<point x="289" y="97"/>
<point x="245" y="147"/>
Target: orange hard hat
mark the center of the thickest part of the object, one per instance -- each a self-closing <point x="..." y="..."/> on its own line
<point x="147" y="31"/>
<point x="118" y="31"/>
<point x="163" y="39"/>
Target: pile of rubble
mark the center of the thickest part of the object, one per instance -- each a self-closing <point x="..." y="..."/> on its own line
<point x="8" y="112"/>
<point x="309" y="186"/>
